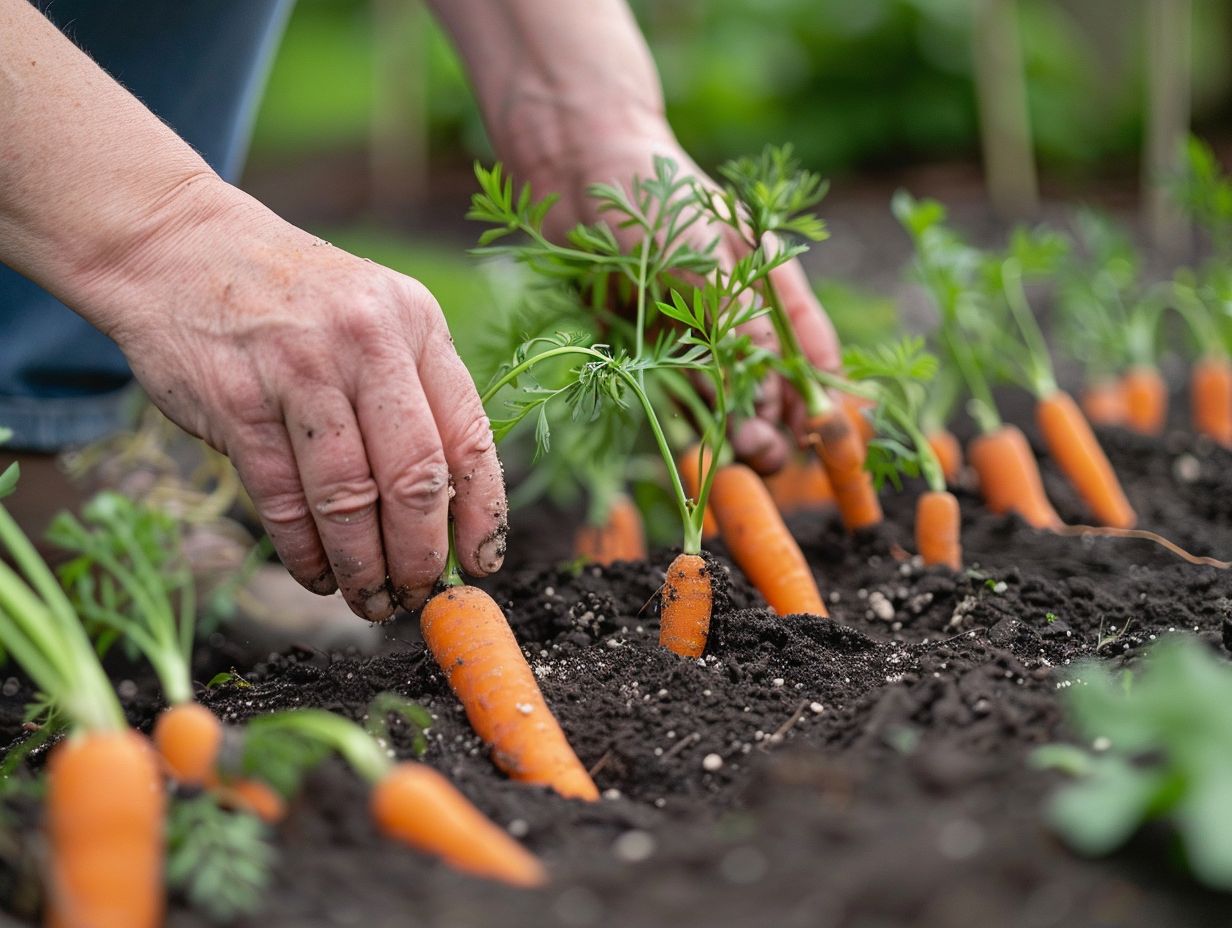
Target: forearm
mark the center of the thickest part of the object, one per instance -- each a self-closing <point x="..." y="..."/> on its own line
<point x="88" y="176"/>
<point x="552" y="77"/>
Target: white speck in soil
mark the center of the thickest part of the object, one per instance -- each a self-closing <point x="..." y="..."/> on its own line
<point x="1186" y="468"/>
<point x="777" y="681"/>
<point x="127" y="689"/>
<point x="960" y="839"/>
<point x="816" y="708"/>
<point x="634" y="846"/>
<point x="743" y="865"/>
<point x="519" y="828"/>
<point x="11" y="686"/>
<point x="712" y="762"/>
<point x="612" y="794"/>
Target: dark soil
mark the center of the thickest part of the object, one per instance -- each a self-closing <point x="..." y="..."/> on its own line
<point x="873" y="766"/>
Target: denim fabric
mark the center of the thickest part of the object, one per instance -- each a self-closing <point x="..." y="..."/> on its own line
<point x="200" y="65"/>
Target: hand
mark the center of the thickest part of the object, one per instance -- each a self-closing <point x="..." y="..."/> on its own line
<point x="761" y="441"/>
<point x="332" y="384"/>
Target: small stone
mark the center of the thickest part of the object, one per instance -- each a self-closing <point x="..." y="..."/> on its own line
<point x="778" y="681"/>
<point x="612" y="793"/>
<point x="1186" y="468"/>
<point x="634" y="846"/>
<point x="519" y="828"/>
<point x="712" y="762"/>
<point x="816" y="708"/>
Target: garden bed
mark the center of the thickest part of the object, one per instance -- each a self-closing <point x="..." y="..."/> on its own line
<point x="867" y="770"/>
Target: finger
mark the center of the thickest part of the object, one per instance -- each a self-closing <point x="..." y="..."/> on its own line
<point x="480" y="511"/>
<point x="342" y="497"/>
<point x="409" y="465"/>
<point x="265" y="461"/>
<point x="812" y="326"/>
<point x="757" y="441"/>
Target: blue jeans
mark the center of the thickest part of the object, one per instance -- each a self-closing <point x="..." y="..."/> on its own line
<point x="200" y="65"/>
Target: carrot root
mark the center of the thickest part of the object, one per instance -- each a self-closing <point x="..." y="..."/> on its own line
<point x="1103" y="401"/>
<point x="801" y="484"/>
<point x="1009" y="477"/>
<point x="842" y="453"/>
<point x="1211" y="398"/>
<point x="621" y="538"/>
<point x="414" y="804"/>
<point x="105" y="815"/>
<point x="1078" y="453"/>
<point x="856" y="408"/>
<point x="471" y="640"/>
<point x="255" y="798"/>
<point x="188" y="737"/>
<point x="761" y="544"/>
<point x="1146" y="400"/>
<point x="688" y="600"/>
<point x="949" y="453"/>
<point x="938" y="529"/>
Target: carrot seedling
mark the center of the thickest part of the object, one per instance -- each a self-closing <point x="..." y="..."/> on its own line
<point x="410" y="802"/>
<point x="105" y="804"/>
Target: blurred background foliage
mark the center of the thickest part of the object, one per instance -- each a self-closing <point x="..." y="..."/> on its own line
<point x="853" y="85"/>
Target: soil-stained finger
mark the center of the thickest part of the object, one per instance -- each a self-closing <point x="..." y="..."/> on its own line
<point x="342" y="497"/>
<point x="409" y="465"/>
<point x="265" y="460"/>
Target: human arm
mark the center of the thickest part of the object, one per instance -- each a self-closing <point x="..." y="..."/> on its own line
<point x="330" y="382"/>
<point x="570" y="97"/>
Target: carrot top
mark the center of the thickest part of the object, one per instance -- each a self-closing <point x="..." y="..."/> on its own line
<point x="42" y="632"/>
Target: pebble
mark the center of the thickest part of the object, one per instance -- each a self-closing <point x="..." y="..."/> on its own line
<point x="634" y="846"/>
<point x="519" y="828"/>
<point x="712" y="762"/>
<point x="816" y="708"/>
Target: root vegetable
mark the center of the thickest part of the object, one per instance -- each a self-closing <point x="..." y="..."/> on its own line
<point x="938" y="529"/>
<point x="1079" y="455"/>
<point x="1211" y="396"/>
<point x="621" y="538"/>
<point x="688" y="599"/>
<point x="842" y="453"/>
<point x="1146" y="399"/>
<point x="1009" y="476"/>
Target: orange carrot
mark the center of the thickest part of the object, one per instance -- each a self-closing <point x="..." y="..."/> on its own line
<point x="471" y="640"/>
<point x="1211" y="398"/>
<point x="621" y="538"/>
<point x="1146" y="399"/>
<point x="760" y="543"/>
<point x="1077" y="452"/>
<point x="188" y="737"/>
<point x="688" y="599"/>
<point x="856" y="407"/>
<point x="801" y="484"/>
<point x="415" y="804"/>
<point x="253" y="797"/>
<point x="1103" y="401"/>
<point x="948" y="451"/>
<point x="938" y="525"/>
<point x="690" y="474"/>
<point x="1010" y="478"/>
<point x="842" y="453"/>
<point x="105" y="810"/>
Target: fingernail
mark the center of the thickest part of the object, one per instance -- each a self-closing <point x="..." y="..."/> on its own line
<point x="378" y="607"/>
<point x="324" y="584"/>
<point x="491" y="552"/>
<point x="413" y="599"/>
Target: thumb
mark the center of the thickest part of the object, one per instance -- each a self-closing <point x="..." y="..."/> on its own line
<point x="812" y="326"/>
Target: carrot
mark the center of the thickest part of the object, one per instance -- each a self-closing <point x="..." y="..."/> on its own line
<point x="253" y="797"/>
<point x="415" y="804"/>
<point x="621" y="537"/>
<point x="1076" y="449"/>
<point x="1146" y="399"/>
<point x="471" y="640"/>
<point x="688" y="599"/>
<point x="188" y="736"/>
<point x="842" y="453"/>
<point x="1010" y="478"/>
<point x="690" y="473"/>
<point x="948" y="451"/>
<point x="801" y="484"/>
<point x="938" y="525"/>
<point x="1211" y="398"/>
<point x="761" y="544"/>
<point x="856" y="407"/>
<point x="1103" y="401"/>
<point x="105" y="810"/>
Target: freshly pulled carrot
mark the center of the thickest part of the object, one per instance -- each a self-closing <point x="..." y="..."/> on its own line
<point x="471" y="640"/>
<point x="1076" y="449"/>
<point x="1103" y="401"/>
<point x="415" y="804"/>
<point x="687" y="465"/>
<point x="948" y="451"/>
<point x="1010" y="478"/>
<point x="938" y="529"/>
<point x="801" y="484"/>
<point x="188" y="737"/>
<point x="688" y="599"/>
<point x="621" y="538"/>
<point x="1211" y="398"/>
<point x="1146" y="399"/>
<point x="842" y="453"/>
<point x="760" y="543"/>
<point x="856" y="407"/>
<point x="105" y="811"/>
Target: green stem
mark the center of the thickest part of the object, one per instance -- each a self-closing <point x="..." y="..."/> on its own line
<point x="452" y="574"/>
<point x="1039" y="370"/>
<point x="797" y="367"/>
<point x="1191" y="309"/>
<point x="357" y="747"/>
